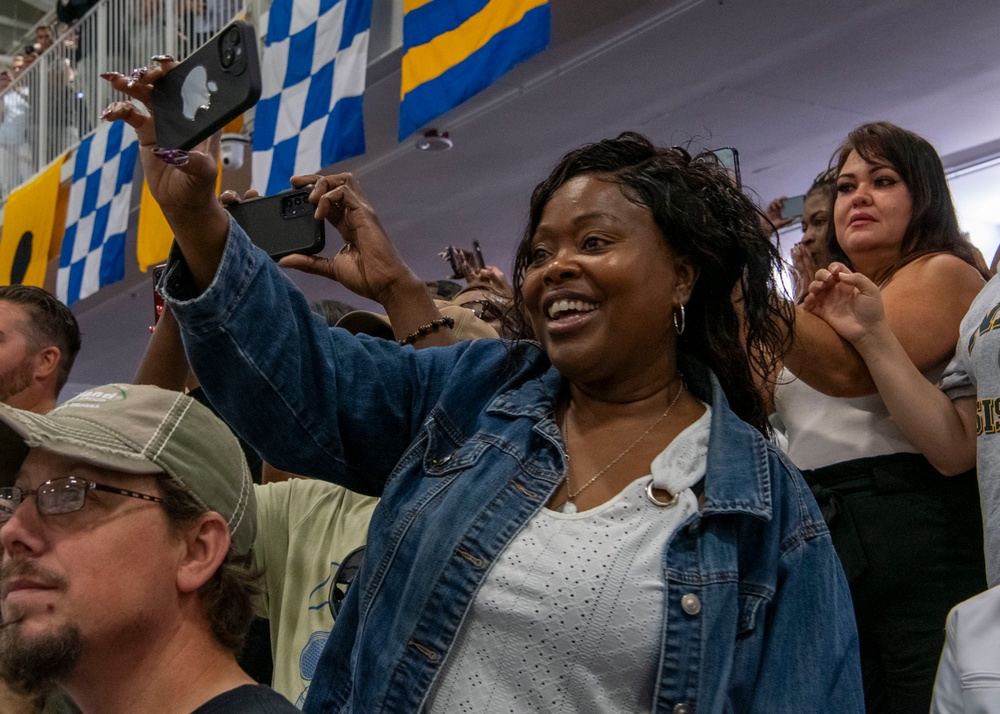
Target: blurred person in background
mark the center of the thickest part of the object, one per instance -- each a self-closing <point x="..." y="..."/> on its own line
<point x="811" y="252"/>
<point x="15" y="155"/>
<point x="39" y="340"/>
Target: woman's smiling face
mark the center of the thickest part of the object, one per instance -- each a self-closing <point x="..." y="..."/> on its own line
<point x="602" y="284"/>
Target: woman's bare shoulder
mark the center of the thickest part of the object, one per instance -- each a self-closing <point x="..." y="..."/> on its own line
<point x="937" y="269"/>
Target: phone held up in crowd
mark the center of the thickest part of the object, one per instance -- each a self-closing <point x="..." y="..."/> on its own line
<point x="281" y="224"/>
<point x="209" y="89"/>
<point x="464" y="262"/>
<point x="791" y="208"/>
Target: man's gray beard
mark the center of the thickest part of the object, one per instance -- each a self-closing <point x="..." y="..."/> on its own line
<point x="15" y="380"/>
<point x="35" y="665"/>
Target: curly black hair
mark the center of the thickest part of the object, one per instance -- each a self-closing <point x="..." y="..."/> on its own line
<point x="736" y="323"/>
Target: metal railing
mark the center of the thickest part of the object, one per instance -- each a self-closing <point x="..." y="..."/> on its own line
<point x="55" y="102"/>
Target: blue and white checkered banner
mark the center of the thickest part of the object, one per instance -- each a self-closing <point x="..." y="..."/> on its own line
<point x="310" y="112"/>
<point x="93" y="246"/>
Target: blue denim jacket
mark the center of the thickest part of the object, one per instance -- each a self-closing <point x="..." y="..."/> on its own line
<point x="461" y="444"/>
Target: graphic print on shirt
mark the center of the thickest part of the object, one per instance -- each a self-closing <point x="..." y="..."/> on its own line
<point x="987" y="406"/>
<point x="991" y="321"/>
<point x="319" y="601"/>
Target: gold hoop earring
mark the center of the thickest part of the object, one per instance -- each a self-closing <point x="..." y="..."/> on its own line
<point x="680" y="324"/>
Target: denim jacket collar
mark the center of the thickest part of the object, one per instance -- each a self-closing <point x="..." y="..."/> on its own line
<point x="726" y="490"/>
<point x="729" y="490"/>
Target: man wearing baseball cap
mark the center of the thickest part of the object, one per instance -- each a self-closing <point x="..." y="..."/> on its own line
<point x="127" y="518"/>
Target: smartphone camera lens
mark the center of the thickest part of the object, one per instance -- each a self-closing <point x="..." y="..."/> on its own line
<point x="230" y="47"/>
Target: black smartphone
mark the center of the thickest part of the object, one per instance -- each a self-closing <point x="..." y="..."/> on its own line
<point x="281" y="224"/>
<point x="209" y="89"/>
<point x="792" y="207"/>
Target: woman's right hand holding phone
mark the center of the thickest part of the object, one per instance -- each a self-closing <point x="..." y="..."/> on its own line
<point x="368" y="263"/>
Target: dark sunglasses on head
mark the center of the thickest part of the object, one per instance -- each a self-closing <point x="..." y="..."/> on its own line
<point x="481" y="308"/>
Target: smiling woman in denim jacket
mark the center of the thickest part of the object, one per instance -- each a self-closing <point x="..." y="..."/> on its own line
<point x="590" y="522"/>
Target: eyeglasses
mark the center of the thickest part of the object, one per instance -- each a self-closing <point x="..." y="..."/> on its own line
<point x="484" y="307"/>
<point x="59" y="496"/>
<point x="346" y="572"/>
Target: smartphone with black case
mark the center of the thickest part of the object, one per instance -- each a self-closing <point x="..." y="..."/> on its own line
<point x="281" y="224"/>
<point x="209" y="89"/>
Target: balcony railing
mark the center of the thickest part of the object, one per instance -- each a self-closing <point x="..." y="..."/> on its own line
<point x="57" y="101"/>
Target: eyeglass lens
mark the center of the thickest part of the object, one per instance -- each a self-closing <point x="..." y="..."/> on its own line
<point x="55" y="497"/>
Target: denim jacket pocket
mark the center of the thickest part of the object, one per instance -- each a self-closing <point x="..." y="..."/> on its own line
<point x="443" y="456"/>
<point x="751" y="607"/>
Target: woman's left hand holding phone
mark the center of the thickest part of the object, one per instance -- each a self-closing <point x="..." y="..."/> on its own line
<point x="183" y="183"/>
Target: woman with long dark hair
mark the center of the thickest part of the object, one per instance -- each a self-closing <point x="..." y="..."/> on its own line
<point x="909" y="537"/>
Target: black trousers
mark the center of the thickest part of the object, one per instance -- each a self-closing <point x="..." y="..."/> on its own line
<point x="911" y="543"/>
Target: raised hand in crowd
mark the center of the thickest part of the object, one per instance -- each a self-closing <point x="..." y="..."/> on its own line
<point x="368" y="264"/>
<point x="803" y="269"/>
<point x="491" y="277"/>
<point x="773" y="213"/>
<point x="182" y="182"/>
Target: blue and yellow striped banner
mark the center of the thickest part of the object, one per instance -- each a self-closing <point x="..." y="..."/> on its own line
<point x="454" y="49"/>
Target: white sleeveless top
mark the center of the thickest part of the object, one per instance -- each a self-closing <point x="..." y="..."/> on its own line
<point x="825" y="430"/>
<point x="570" y="617"/>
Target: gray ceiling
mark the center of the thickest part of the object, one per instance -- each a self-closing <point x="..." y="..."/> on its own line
<point x="781" y="80"/>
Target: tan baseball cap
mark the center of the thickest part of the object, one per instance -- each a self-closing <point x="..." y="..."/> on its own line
<point x="145" y="430"/>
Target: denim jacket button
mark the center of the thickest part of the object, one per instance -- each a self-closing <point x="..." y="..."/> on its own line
<point x="682" y="709"/>
<point x="691" y="604"/>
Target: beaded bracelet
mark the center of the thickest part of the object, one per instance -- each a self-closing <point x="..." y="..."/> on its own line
<point x="424" y="330"/>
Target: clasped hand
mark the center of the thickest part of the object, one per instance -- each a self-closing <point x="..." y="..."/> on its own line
<point x="849" y="302"/>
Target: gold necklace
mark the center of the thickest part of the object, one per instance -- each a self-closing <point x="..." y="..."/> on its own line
<point x="569" y="506"/>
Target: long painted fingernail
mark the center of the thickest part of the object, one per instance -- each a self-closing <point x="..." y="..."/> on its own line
<point x="110" y="75"/>
<point x="107" y="110"/>
<point x="137" y="74"/>
<point x="172" y="157"/>
<point x="163" y="58"/>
